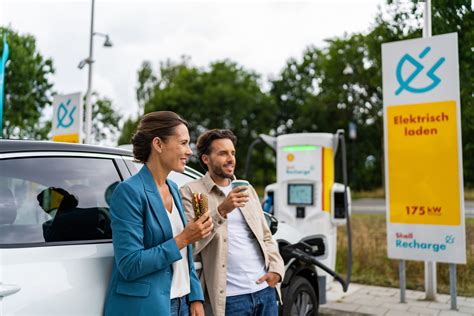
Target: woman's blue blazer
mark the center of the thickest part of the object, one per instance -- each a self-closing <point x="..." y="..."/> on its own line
<point x="144" y="249"/>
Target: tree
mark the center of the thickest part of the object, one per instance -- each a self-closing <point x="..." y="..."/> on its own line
<point x="105" y="120"/>
<point x="341" y="83"/>
<point x="458" y="16"/>
<point x="28" y="90"/>
<point x="146" y="84"/>
<point x="128" y="128"/>
<point x="225" y="95"/>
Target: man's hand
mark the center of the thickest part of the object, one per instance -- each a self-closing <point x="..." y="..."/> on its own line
<point x="196" y="308"/>
<point x="236" y="198"/>
<point x="272" y="279"/>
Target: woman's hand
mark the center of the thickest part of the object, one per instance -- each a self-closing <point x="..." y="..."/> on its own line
<point x="195" y="230"/>
<point x="196" y="308"/>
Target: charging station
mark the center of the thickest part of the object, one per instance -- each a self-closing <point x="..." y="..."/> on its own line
<point x="310" y="205"/>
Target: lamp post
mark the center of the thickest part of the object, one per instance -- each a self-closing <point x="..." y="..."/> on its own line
<point x="353" y="136"/>
<point x="89" y="61"/>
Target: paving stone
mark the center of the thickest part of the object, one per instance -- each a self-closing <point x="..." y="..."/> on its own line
<point x="383" y="294"/>
<point x="399" y="313"/>
<point x="453" y="313"/>
<point x="423" y="310"/>
<point x="345" y="306"/>
<point x="396" y="307"/>
<point x="468" y="310"/>
<point x="390" y="300"/>
<point x="418" y="303"/>
<point x="468" y="302"/>
<point x="443" y="298"/>
<point x="335" y="312"/>
<point x="465" y="305"/>
<point x="417" y="295"/>
<point x="369" y="301"/>
<point x="373" y="310"/>
<point x="378" y="300"/>
<point x="354" y="298"/>
<point x="441" y="306"/>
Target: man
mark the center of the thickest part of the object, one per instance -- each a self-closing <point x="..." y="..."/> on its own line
<point x="241" y="262"/>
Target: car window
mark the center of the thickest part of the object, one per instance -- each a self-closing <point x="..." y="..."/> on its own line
<point x="55" y="199"/>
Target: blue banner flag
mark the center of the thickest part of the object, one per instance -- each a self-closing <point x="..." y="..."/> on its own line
<point x="2" y="76"/>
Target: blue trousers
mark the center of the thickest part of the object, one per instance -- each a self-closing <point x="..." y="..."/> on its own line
<point x="261" y="303"/>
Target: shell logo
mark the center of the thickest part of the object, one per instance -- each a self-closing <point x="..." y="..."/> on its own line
<point x="290" y="157"/>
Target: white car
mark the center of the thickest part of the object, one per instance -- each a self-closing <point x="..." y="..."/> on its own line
<point x="55" y="238"/>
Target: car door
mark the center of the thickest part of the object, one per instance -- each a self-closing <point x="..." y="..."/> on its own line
<point x="55" y="240"/>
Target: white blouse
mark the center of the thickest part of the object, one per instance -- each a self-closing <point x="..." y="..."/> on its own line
<point x="180" y="284"/>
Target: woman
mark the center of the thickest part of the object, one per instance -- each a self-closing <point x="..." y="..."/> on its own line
<point x="153" y="272"/>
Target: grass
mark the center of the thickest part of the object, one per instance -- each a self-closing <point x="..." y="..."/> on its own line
<point x="380" y="194"/>
<point x="372" y="266"/>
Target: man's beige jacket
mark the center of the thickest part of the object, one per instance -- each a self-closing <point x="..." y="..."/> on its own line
<point x="213" y="249"/>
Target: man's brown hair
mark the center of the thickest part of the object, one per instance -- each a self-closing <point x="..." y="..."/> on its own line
<point x="204" y="141"/>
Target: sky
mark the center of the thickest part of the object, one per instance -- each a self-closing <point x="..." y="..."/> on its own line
<point x="260" y="35"/>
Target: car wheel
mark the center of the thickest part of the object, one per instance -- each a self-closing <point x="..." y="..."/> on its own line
<point x="300" y="299"/>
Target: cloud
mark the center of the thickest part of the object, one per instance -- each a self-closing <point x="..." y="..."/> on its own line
<point x="259" y="35"/>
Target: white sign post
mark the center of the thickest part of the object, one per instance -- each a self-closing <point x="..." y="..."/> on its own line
<point x="423" y="152"/>
<point x="67" y="118"/>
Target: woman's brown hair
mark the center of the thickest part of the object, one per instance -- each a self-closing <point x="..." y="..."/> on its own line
<point x="155" y="124"/>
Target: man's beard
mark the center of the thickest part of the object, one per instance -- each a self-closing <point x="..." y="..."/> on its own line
<point x="217" y="170"/>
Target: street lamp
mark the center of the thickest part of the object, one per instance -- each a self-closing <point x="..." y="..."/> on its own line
<point x="89" y="60"/>
<point x="353" y="136"/>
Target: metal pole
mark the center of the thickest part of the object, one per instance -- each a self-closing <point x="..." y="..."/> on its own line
<point x="427" y="18"/>
<point x="430" y="266"/>
<point x="88" y="138"/>
<point x="402" y="276"/>
<point x="452" y="286"/>
<point x="430" y="280"/>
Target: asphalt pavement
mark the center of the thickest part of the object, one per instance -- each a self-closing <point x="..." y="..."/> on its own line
<point x="377" y="206"/>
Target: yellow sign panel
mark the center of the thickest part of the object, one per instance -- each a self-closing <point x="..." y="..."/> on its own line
<point x="423" y="164"/>
<point x="328" y="177"/>
<point x="67" y="138"/>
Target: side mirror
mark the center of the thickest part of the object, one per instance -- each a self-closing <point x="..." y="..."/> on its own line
<point x="272" y="222"/>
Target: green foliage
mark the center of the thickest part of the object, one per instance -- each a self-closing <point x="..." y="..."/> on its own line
<point x="223" y="96"/>
<point x="458" y="16"/>
<point x="129" y="127"/>
<point x="28" y="90"/>
<point x="377" y="269"/>
<point x="105" y="119"/>
<point x="146" y="85"/>
<point x="325" y="90"/>
<point x="341" y="83"/>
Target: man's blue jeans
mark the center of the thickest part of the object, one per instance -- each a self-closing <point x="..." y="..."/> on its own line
<point x="261" y="303"/>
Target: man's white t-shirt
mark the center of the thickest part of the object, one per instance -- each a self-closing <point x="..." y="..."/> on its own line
<point x="180" y="284"/>
<point x="245" y="261"/>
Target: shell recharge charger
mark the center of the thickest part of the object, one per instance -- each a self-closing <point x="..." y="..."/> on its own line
<point x="308" y="201"/>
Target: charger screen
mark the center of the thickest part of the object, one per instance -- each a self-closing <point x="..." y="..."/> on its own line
<point x="300" y="194"/>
